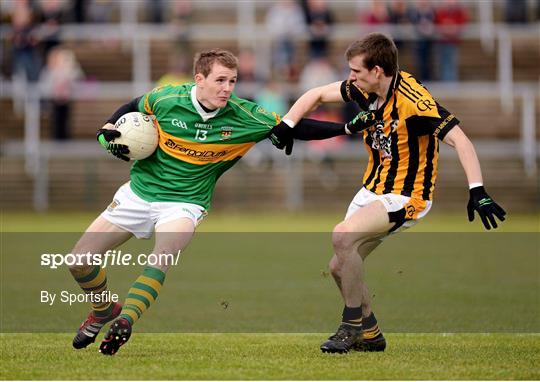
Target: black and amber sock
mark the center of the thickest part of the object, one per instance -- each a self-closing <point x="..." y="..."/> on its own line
<point x="94" y="279"/>
<point x="370" y="329"/>
<point x="352" y="316"/>
<point x="142" y="294"/>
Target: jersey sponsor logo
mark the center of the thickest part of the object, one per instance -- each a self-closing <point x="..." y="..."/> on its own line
<point x="202" y="155"/>
<point x="180" y="124"/>
<point x="205" y="126"/>
<point x="425" y="104"/>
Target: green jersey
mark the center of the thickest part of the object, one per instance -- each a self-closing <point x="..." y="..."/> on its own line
<point x="195" y="147"/>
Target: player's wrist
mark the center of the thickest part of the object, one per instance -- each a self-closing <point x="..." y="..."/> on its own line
<point x="289" y="122"/>
<point x="102" y="140"/>
<point x="475" y="185"/>
<point x="478" y="192"/>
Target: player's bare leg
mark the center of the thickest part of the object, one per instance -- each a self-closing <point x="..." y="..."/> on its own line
<point x="171" y="238"/>
<point x="99" y="237"/>
<point x="353" y="240"/>
<point x="335" y="267"/>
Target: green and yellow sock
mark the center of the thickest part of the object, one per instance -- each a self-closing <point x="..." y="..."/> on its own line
<point x="352" y="316"/>
<point x="142" y="294"/>
<point x="94" y="279"/>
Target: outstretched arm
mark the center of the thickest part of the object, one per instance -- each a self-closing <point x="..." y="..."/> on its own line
<point x="311" y="99"/>
<point x="466" y="153"/>
<point x="479" y="200"/>
<point x="283" y="134"/>
<point x="293" y="125"/>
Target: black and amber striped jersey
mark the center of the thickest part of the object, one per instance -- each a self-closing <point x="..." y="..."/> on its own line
<point x="403" y="146"/>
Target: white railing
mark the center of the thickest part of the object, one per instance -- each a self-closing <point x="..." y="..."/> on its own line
<point x="249" y="34"/>
<point x="38" y="153"/>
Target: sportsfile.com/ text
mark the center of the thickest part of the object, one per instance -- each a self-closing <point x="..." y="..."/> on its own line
<point x="109" y="258"/>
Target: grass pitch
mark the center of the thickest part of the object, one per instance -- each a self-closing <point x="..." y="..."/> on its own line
<point x="276" y="286"/>
<point x="272" y="357"/>
<point x="234" y="221"/>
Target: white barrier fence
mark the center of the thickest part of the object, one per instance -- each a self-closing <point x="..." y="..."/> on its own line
<point x="137" y="38"/>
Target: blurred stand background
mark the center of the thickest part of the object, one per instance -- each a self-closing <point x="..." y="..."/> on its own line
<point x="67" y="65"/>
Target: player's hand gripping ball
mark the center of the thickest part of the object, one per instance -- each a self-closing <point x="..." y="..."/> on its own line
<point x="139" y="133"/>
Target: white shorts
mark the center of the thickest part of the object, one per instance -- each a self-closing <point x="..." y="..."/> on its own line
<point x="128" y="211"/>
<point x="392" y="203"/>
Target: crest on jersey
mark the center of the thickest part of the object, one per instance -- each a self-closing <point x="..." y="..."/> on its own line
<point x="226" y="132"/>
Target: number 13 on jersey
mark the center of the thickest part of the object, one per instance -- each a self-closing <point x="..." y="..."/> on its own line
<point x="201" y="134"/>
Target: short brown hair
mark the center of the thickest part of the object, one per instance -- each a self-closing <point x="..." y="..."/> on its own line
<point x="204" y="60"/>
<point x="377" y="49"/>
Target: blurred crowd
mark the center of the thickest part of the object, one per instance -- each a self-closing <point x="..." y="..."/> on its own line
<point x="37" y="55"/>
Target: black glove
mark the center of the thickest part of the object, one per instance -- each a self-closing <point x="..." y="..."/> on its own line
<point x="105" y="136"/>
<point x="362" y="121"/>
<point x="281" y="136"/>
<point x="485" y="206"/>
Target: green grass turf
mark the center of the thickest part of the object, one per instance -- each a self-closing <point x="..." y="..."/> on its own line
<point x="272" y="357"/>
<point x="277" y="283"/>
<point x="233" y="221"/>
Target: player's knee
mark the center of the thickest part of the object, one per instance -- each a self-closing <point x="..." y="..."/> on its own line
<point x="163" y="258"/>
<point x="79" y="260"/>
<point x="343" y="238"/>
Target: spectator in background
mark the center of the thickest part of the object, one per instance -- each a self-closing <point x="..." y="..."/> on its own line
<point x="378" y="14"/>
<point x="51" y="18"/>
<point x="79" y="11"/>
<point x="101" y="11"/>
<point x="450" y="19"/>
<point x="247" y="66"/>
<point x="317" y="71"/>
<point x="284" y="23"/>
<point x="182" y="14"/>
<point x="58" y="79"/>
<point x="247" y="75"/>
<point x="515" y="11"/>
<point x="26" y="62"/>
<point x="422" y="16"/>
<point x="377" y="17"/>
<point x="178" y="73"/>
<point x="154" y="11"/>
<point x="398" y="17"/>
<point x="319" y="20"/>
